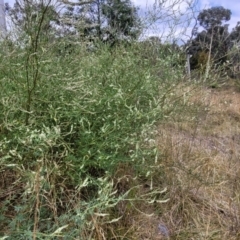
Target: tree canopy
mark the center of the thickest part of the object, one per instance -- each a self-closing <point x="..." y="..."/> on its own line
<point x="213" y="39"/>
<point x="98" y="19"/>
<point x="104" y="20"/>
<point x="213" y="17"/>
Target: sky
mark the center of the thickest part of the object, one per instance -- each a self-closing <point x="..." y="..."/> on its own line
<point x="183" y="26"/>
<point x="233" y="5"/>
<point x="174" y="17"/>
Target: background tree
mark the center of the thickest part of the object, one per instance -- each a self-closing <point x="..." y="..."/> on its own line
<point x="214" y="39"/>
<point x="234" y="52"/>
<point x="213" y="17"/>
<point x="122" y="19"/>
<point x="104" y="20"/>
<point x="26" y="13"/>
<point x="235" y="34"/>
<point x="79" y="19"/>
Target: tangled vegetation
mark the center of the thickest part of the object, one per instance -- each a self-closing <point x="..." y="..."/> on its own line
<point x="69" y="123"/>
<point x="113" y="142"/>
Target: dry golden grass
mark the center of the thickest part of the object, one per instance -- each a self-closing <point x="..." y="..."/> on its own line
<point x="200" y="167"/>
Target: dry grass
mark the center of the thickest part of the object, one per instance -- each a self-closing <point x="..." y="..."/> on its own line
<point x="201" y="169"/>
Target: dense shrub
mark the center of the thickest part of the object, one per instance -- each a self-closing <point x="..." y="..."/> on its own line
<point x="66" y="129"/>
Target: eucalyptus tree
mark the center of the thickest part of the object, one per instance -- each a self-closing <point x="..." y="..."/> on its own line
<point x="212" y="43"/>
<point x="103" y="20"/>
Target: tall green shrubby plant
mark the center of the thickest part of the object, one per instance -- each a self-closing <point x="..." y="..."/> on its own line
<point x="68" y="122"/>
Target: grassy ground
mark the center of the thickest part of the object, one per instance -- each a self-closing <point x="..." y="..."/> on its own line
<point x="200" y="169"/>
